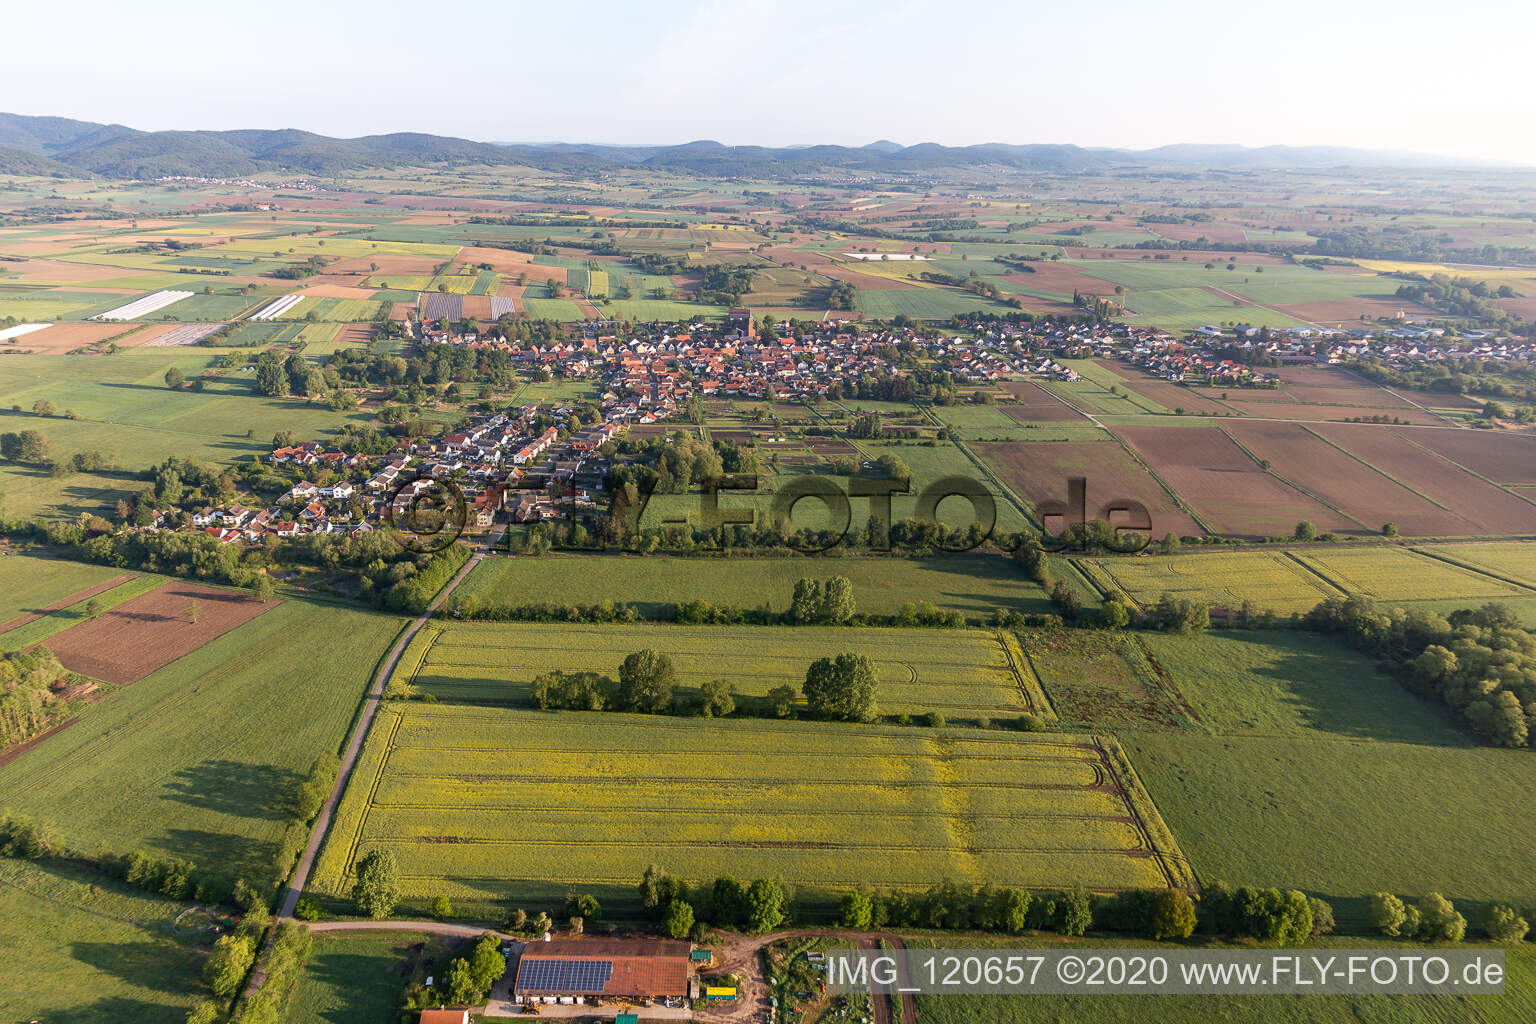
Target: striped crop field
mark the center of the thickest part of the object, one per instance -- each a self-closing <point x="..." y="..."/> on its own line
<point x="478" y="802"/>
<point x="1510" y="560"/>
<point x="1269" y="579"/>
<point x="965" y="674"/>
<point x="1398" y="574"/>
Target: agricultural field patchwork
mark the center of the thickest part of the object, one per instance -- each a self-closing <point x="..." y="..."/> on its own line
<point x="199" y="759"/>
<point x="486" y="803"/>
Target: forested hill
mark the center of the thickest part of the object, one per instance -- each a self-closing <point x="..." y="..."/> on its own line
<point x="64" y="147"/>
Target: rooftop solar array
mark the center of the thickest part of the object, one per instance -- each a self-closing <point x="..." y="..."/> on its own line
<point x="564" y="975"/>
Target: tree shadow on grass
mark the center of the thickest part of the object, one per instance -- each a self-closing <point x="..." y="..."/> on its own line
<point x="237" y="788"/>
<point x="144" y="964"/>
<point x="115" y="1010"/>
<point x="1332" y="689"/>
<point x="223" y="856"/>
<point x="367" y="986"/>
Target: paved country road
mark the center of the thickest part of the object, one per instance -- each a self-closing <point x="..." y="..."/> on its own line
<point x="360" y="733"/>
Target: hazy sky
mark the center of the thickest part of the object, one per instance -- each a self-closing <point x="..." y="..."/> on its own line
<point x="1434" y="77"/>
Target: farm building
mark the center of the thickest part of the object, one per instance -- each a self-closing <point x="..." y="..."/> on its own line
<point x="613" y="968"/>
<point x="444" y="1017"/>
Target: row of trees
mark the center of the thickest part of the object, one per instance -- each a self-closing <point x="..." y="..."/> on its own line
<point x="756" y="907"/>
<point x="841" y="687"/>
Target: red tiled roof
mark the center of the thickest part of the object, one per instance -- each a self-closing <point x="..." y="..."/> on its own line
<point x="640" y="968"/>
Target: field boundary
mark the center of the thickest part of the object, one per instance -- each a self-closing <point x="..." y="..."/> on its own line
<point x="1178" y="499"/>
<point x="1308" y="567"/>
<point x="1161" y="843"/>
<point x="1506" y="488"/>
<point x="1031" y="685"/>
<point x="1379" y="471"/>
<point x="1512" y="581"/>
<point x="1265" y="466"/>
<point x="1167" y="682"/>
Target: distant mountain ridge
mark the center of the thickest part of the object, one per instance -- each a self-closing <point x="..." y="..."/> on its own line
<point x="63" y="147"/>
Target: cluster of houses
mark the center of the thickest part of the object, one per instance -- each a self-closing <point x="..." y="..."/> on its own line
<point x="504" y="462"/>
<point x="500" y="462"/>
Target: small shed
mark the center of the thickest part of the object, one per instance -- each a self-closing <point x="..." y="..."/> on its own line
<point x="704" y="957"/>
<point x="627" y="1018"/>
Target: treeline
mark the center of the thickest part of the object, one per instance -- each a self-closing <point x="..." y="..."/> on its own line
<point x="1283" y="917"/>
<point x="388" y="574"/>
<point x="299" y="271"/>
<point x="1401" y="243"/>
<point x="563" y="221"/>
<point x="1480" y="663"/>
<point x="1459" y="296"/>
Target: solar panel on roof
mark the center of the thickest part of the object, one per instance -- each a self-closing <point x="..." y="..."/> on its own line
<point x="565" y="975"/>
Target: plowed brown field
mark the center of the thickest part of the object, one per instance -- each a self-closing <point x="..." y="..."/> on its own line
<point x="139" y="636"/>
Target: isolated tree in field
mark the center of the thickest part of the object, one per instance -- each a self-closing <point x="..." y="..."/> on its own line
<point x="1305" y="530"/>
<point x="94" y="607"/>
<point x="1170" y="545"/>
<point x="842" y="687"/>
<point x="781" y="700"/>
<point x="226" y="968"/>
<point x="262" y="587"/>
<point x="1389" y="530"/>
<point x="765" y="906"/>
<point x="377" y="889"/>
<point x="43" y="407"/>
<point x="1173" y="915"/>
<point x="677" y="920"/>
<point x="715" y="699"/>
<point x="837" y="605"/>
<point x="646" y="681"/>
<point x="174" y="378"/>
<point x="192" y="610"/>
<point x="1386" y="914"/>
<point x="855" y="911"/>
<point x="442" y="907"/>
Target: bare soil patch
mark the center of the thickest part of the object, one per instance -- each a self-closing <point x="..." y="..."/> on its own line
<point x="1226" y="487"/>
<point x="1347" y="312"/>
<point x="1034" y="404"/>
<point x="68" y="336"/>
<point x="1489" y="509"/>
<point x="139" y="636"/>
<point x="1501" y="457"/>
<point x="1038" y="471"/>
<point x="1344" y="482"/>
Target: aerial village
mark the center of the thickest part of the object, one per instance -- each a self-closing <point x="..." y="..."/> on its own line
<point x="509" y="470"/>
